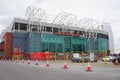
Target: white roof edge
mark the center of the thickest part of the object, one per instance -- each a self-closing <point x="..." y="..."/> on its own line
<point x="19" y="20"/>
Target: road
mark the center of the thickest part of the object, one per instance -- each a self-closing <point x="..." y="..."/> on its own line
<point x="19" y="71"/>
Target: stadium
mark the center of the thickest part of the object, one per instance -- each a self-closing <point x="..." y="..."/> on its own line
<point x="61" y="33"/>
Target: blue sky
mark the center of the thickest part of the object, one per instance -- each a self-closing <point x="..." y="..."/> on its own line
<point x="101" y="10"/>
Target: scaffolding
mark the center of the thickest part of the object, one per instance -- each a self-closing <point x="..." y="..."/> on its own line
<point x="34" y="14"/>
<point x="3" y="33"/>
<point x="67" y="21"/>
<point x="91" y="28"/>
<point x="37" y="18"/>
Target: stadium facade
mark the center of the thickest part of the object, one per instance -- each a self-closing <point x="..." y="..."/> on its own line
<point x="59" y="36"/>
<point x="107" y="27"/>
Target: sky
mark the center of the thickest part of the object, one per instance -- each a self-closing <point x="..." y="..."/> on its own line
<point x="104" y="11"/>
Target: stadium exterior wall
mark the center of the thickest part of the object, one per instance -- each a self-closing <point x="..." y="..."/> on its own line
<point x="32" y="40"/>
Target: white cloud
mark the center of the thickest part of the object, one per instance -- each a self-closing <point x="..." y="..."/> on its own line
<point x="101" y="10"/>
<point x="2" y="28"/>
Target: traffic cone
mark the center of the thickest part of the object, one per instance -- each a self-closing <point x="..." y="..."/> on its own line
<point x="5" y="60"/>
<point x="9" y="60"/>
<point x="36" y="62"/>
<point x="89" y="69"/>
<point x="47" y="64"/>
<point x="12" y="60"/>
<point x="28" y="62"/>
<point x="116" y="62"/>
<point x="23" y="61"/>
<point x="17" y="61"/>
<point x="65" y="65"/>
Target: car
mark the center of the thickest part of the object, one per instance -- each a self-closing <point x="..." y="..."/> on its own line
<point x="93" y="59"/>
<point x="108" y="58"/>
<point x="80" y="59"/>
<point x="116" y="60"/>
<point x="83" y="59"/>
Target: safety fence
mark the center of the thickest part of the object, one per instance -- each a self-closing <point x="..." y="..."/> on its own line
<point x="100" y="55"/>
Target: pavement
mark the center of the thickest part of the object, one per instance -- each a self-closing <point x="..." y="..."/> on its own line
<point x="75" y="71"/>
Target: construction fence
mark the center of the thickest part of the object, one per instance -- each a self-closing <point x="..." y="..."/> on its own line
<point x="62" y="56"/>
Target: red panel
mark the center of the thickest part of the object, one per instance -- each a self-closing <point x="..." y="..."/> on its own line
<point x="1" y="47"/>
<point x="48" y="55"/>
<point x="40" y="56"/>
<point x="8" y="43"/>
<point x="31" y="56"/>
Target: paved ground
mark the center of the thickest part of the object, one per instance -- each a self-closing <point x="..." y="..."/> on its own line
<point x="76" y="71"/>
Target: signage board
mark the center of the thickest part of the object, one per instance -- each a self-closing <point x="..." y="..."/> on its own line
<point x="91" y="56"/>
<point x="66" y="33"/>
<point x="76" y="55"/>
